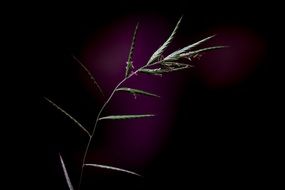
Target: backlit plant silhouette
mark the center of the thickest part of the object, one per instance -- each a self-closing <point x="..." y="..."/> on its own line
<point x="158" y="64"/>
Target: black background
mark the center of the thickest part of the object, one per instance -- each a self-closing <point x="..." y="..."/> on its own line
<point x="238" y="150"/>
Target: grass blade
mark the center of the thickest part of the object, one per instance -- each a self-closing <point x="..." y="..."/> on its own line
<point x="151" y="71"/>
<point x="175" y="64"/>
<point x="136" y="91"/>
<point x="130" y="57"/>
<point x="113" y="168"/>
<point x="187" y="48"/>
<point x="180" y="68"/>
<point x="66" y="174"/>
<point x="90" y="75"/>
<point x="203" y="50"/>
<point x="68" y="115"/>
<point x="120" y="117"/>
<point x="162" y="48"/>
<point x="161" y="71"/>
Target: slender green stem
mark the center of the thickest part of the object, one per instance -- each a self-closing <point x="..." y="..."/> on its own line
<point x="100" y="112"/>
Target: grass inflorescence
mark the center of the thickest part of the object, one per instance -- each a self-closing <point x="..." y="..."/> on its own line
<point x="158" y="64"/>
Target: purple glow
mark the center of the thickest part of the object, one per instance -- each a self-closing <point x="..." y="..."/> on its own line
<point x="234" y="64"/>
<point x="134" y="143"/>
<point x="131" y="143"/>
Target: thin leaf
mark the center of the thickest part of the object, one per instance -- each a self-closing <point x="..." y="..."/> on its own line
<point x="175" y="64"/>
<point x="187" y="48"/>
<point x="120" y="117"/>
<point x="180" y="68"/>
<point x="66" y="174"/>
<point x="90" y="75"/>
<point x="137" y="91"/>
<point x="202" y="50"/>
<point x="172" y="69"/>
<point x="162" y="48"/>
<point x="113" y="168"/>
<point x="151" y="71"/>
<point x="165" y="69"/>
<point x="68" y="115"/>
<point x="130" y="57"/>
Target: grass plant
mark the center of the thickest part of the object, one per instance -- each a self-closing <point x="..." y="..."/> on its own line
<point x="158" y="64"/>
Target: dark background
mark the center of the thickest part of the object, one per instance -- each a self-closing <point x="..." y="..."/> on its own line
<point x="236" y="150"/>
